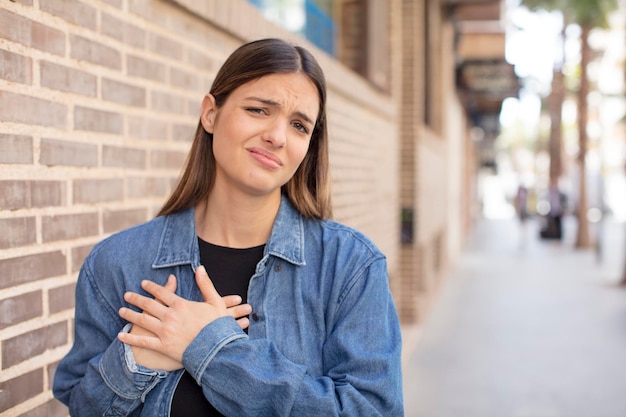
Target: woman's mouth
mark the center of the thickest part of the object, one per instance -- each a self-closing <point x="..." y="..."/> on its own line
<point x="265" y="158"/>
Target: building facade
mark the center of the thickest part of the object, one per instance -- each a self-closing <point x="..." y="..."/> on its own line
<point x="99" y="100"/>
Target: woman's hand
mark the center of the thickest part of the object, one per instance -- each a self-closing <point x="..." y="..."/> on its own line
<point x="169" y="323"/>
<point x="150" y="358"/>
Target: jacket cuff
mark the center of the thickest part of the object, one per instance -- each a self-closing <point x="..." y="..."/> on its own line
<point x="123" y="375"/>
<point x="213" y="337"/>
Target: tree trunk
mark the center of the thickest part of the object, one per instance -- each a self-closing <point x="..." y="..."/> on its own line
<point x="582" y="239"/>
<point x="624" y="272"/>
<point x="556" y="131"/>
<point x="555" y="102"/>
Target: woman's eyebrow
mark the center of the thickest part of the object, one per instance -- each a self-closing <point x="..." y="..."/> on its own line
<point x="269" y="102"/>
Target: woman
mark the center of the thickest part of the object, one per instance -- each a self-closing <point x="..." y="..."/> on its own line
<point x="153" y="335"/>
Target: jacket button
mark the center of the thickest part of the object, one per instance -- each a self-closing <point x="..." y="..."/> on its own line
<point x="277" y="268"/>
<point x="255" y="317"/>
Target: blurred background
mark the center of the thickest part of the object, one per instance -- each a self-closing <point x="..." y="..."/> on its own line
<point x="479" y="143"/>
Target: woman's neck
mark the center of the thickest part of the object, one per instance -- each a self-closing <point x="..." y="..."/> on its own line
<point x="236" y="221"/>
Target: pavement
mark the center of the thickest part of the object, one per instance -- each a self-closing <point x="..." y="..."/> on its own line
<point x="523" y="327"/>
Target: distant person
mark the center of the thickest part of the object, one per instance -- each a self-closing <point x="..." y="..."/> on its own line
<point x="553" y="228"/>
<point x="521" y="203"/>
<point x="521" y="209"/>
<point x="243" y="243"/>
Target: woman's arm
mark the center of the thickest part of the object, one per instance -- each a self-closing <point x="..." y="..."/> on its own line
<point x="99" y="373"/>
<point x="246" y="377"/>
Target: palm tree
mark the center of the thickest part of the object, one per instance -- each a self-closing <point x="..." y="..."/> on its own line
<point x="588" y="14"/>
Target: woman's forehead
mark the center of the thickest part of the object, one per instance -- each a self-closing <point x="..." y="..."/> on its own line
<point x="291" y="90"/>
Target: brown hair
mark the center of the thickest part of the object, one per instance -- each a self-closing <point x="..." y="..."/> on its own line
<point x="309" y="188"/>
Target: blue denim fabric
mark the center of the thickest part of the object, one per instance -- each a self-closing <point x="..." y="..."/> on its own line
<point x="324" y="339"/>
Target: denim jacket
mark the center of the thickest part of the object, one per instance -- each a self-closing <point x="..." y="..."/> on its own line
<point x="324" y="337"/>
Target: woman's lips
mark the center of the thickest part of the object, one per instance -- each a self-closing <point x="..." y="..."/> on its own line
<point x="265" y="158"/>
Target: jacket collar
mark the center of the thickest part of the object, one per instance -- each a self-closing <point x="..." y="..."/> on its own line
<point x="179" y="243"/>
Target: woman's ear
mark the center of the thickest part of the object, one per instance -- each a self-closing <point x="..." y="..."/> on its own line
<point x="208" y="113"/>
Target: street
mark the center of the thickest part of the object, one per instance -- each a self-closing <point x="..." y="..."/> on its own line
<point x="523" y="327"/>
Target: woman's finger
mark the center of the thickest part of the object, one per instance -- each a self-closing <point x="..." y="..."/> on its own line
<point x="240" y="310"/>
<point x="151" y="306"/>
<point x="140" y="341"/>
<point x="207" y="288"/>
<point x="231" y="300"/>
<point x="170" y="285"/>
<point x="244" y="323"/>
<point x="145" y="321"/>
<point x="159" y="292"/>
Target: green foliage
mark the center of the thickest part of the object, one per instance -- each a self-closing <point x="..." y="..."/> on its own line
<point x="588" y="13"/>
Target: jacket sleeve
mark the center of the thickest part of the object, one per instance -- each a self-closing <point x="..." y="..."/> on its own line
<point x="362" y="364"/>
<point x="99" y="375"/>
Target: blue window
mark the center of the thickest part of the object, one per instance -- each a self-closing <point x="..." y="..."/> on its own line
<point x="304" y="17"/>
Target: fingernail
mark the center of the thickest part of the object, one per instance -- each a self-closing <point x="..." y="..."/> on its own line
<point x="201" y="269"/>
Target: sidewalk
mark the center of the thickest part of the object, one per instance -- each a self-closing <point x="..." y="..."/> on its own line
<point x="523" y="328"/>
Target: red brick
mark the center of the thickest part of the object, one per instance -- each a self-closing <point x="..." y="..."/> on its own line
<point x="30" y="268"/>
<point x="98" y="190"/>
<point x="47" y="193"/>
<point x="97" y="120"/>
<point x="48" y="39"/>
<point x="95" y="52"/>
<point x="14" y="194"/>
<point x="20" y="308"/>
<point x="73" y="11"/>
<point x="78" y="256"/>
<point x="184" y="79"/>
<point x="59" y="77"/>
<point x="21" y="388"/>
<point x="166" y="47"/>
<point x="52" y="367"/>
<point x="117" y="220"/>
<point x="115" y="156"/>
<point x="145" y="68"/>
<point x="15" y="28"/>
<point x="28" y="194"/>
<point x="28" y="345"/>
<point x="114" y="3"/>
<point x="16" y="149"/>
<point x="144" y="128"/>
<point x="19" y="231"/>
<point x="21" y="30"/>
<point x="52" y="408"/>
<point x="167" y="103"/>
<point x="40" y="112"/>
<point x="183" y="133"/>
<point x="61" y="298"/>
<point x="193" y="106"/>
<point x="147" y="10"/>
<point x="59" y="152"/>
<point x="69" y="226"/>
<point x="123" y="31"/>
<point x="123" y="93"/>
<point x="201" y="60"/>
<point x="146" y="187"/>
<point x="167" y="159"/>
<point x="16" y="68"/>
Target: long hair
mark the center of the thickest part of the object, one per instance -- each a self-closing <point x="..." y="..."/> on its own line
<point x="309" y="188"/>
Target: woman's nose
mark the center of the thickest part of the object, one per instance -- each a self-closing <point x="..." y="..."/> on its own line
<point x="276" y="133"/>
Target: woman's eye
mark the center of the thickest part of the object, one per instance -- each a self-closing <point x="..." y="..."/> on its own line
<point x="302" y="128"/>
<point x="255" y="110"/>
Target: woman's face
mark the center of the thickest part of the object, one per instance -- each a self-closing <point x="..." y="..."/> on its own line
<point x="262" y="132"/>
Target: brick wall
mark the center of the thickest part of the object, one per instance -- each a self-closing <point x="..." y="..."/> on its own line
<point x="433" y="147"/>
<point x="98" y="102"/>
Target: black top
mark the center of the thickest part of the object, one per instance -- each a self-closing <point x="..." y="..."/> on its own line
<point x="230" y="270"/>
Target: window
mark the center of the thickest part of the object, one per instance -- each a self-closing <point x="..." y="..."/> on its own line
<point x="311" y="19"/>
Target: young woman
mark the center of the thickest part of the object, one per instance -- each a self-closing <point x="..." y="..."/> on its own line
<point x="241" y="298"/>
